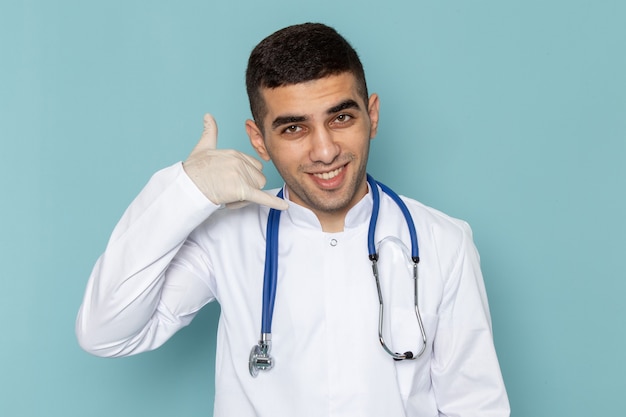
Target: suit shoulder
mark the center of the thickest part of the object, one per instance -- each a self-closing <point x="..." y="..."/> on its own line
<point x="436" y="220"/>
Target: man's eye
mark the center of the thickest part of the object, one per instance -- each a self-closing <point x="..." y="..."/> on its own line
<point x="343" y="118"/>
<point x="292" y="129"/>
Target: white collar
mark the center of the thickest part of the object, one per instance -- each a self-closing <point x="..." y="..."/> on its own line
<point x="303" y="217"/>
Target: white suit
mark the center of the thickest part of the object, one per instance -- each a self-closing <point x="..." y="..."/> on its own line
<point x="173" y="251"/>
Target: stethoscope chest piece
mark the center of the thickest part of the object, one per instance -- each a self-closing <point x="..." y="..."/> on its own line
<point x="260" y="359"/>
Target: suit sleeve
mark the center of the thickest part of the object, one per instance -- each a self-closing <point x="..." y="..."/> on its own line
<point x="465" y="371"/>
<point x="141" y="290"/>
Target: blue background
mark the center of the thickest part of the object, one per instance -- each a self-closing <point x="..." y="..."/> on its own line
<point x="509" y="114"/>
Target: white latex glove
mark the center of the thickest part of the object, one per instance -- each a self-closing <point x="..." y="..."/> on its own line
<point x="226" y="176"/>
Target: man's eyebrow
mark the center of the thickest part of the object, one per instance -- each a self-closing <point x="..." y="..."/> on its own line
<point x="344" y="105"/>
<point x="284" y="120"/>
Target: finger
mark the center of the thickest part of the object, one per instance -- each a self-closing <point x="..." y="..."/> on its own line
<point x="265" y="199"/>
<point x="252" y="161"/>
<point x="237" y="205"/>
<point x="254" y="180"/>
<point x="208" y="140"/>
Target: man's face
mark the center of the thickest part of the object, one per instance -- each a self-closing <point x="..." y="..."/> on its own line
<point x="317" y="134"/>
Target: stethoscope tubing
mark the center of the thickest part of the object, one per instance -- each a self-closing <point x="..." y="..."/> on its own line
<point x="415" y="255"/>
<point x="271" y="269"/>
<point x="260" y="358"/>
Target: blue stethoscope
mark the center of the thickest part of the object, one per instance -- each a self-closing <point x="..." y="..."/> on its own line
<point x="260" y="359"/>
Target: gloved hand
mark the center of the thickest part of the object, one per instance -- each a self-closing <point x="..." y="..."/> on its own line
<point x="226" y="176"/>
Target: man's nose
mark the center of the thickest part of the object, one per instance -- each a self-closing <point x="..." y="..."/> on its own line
<point x="323" y="147"/>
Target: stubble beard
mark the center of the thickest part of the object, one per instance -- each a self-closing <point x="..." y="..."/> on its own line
<point x="328" y="201"/>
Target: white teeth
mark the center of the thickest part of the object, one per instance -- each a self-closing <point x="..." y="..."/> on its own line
<point x="329" y="175"/>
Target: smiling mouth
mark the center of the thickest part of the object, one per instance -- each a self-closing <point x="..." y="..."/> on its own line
<point x="329" y="175"/>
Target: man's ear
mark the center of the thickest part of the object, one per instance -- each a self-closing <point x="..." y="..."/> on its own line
<point x="256" y="139"/>
<point x="373" y="110"/>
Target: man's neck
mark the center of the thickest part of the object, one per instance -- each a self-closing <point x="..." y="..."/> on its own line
<point x="332" y="223"/>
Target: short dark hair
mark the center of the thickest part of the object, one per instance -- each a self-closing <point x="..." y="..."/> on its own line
<point x="298" y="54"/>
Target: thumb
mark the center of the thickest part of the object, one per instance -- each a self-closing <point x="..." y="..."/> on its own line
<point x="208" y="140"/>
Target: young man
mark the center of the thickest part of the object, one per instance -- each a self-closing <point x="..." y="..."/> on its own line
<point x="175" y="250"/>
